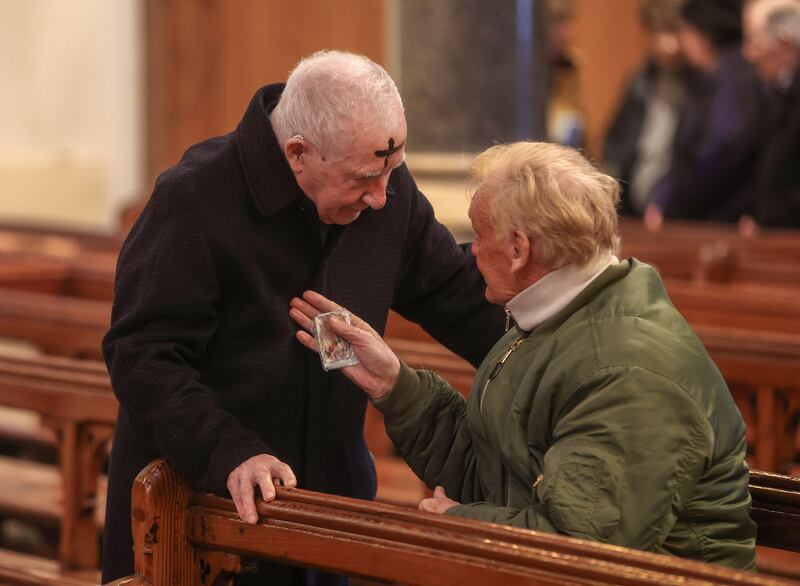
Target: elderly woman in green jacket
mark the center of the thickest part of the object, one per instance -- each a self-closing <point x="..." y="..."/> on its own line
<point x="599" y="415"/>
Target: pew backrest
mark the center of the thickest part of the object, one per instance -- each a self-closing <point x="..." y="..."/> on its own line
<point x="183" y="538"/>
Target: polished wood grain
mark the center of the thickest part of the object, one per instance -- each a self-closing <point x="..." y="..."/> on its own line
<point x="379" y="542"/>
<point x="75" y="401"/>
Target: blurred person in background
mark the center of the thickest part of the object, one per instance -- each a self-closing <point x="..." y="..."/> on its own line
<point x="772" y="44"/>
<point x="638" y="145"/>
<point x="716" y="148"/>
<point x="566" y="119"/>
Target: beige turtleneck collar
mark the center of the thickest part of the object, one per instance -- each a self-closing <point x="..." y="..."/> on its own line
<point x="550" y="294"/>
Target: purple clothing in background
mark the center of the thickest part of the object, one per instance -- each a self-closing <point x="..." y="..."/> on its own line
<point x="716" y="146"/>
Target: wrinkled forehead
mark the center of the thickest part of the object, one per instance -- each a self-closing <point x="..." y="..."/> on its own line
<point x="480" y="203"/>
<point x="376" y="148"/>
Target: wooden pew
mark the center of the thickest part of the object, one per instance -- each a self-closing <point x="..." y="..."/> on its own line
<point x="776" y="510"/>
<point x="186" y="538"/>
<point x="715" y="253"/>
<point x="18" y="569"/>
<point x="56" y="324"/>
<point x="75" y="400"/>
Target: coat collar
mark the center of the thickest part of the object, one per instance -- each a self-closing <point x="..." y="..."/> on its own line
<point x="612" y="274"/>
<point x="553" y="292"/>
<point x="269" y="178"/>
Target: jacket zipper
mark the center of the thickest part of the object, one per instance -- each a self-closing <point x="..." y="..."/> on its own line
<point x="506" y="487"/>
<point x="496" y="370"/>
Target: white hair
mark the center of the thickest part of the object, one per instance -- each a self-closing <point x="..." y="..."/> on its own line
<point x="778" y="19"/>
<point x="553" y="194"/>
<point x="783" y="23"/>
<point x="332" y="94"/>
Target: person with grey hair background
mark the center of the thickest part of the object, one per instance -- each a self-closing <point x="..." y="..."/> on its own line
<point x="772" y="44"/>
<point x="309" y="191"/>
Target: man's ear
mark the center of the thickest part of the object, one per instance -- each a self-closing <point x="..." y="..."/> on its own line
<point x="295" y="149"/>
<point x="520" y="249"/>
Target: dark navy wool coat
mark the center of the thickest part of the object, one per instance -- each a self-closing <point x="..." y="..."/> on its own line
<point x="201" y="349"/>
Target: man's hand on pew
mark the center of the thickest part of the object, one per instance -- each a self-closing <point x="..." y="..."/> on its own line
<point x="378" y="367"/>
<point x="263" y="471"/>
<point x="438" y="503"/>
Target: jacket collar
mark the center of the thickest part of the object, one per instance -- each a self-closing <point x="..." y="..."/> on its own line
<point x="269" y="178"/>
<point x="553" y="292"/>
<point x="612" y="274"/>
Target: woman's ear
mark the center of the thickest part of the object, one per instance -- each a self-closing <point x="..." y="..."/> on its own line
<point x="294" y="149"/>
<point x="520" y="248"/>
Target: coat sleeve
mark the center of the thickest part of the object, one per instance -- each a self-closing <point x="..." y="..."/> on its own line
<point x="439" y="285"/>
<point x="164" y="315"/>
<point x="628" y="450"/>
<point x="426" y="420"/>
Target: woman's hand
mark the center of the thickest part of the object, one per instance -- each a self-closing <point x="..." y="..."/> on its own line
<point x="377" y="368"/>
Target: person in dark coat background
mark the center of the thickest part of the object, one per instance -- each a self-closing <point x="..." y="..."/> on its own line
<point x="716" y="147"/>
<point x="309" y="192"/>
<point x="772" y="44"/>
<point x="637" y="148"/>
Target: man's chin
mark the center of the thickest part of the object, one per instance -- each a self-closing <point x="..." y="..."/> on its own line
<point x="345" y="216"/>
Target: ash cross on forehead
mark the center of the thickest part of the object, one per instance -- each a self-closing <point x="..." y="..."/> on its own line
<point x="389" y="151"/>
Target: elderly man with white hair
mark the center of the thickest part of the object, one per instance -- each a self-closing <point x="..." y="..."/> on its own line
<point x="599" y="415"/>
<point x="772" y="44"/>
<point x="310" y="191"/>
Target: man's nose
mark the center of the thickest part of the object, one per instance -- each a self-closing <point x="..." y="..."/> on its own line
<point x="376" y="196"/>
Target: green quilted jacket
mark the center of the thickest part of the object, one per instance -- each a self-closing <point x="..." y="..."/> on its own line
<point x="608" y="422"/>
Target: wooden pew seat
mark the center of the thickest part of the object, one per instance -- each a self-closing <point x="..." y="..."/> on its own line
<point x="74" y="398"/>
<point x="18" y="569"/>
<point x="33" y="490"/>
<point x="24" y="428"/>
<point x="30" y="490"/>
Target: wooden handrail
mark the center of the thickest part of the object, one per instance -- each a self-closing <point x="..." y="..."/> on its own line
<point x="776" y="509"/>
<point x="32" y="577"/>
<point x="176" y="533"/>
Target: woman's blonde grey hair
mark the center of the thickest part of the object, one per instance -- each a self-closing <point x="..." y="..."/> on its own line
<point x="554" y="195"/>
<point x="332" y="94"/>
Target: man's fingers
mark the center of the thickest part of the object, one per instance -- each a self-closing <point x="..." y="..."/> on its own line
<point x="347" y="331"/>
<point x="305" y="308"/>
<point x="233" y="488"/>
<point x="313" y="303"/>
<point x="425" y="505"/>
<point x="265" y="484"/>
<point x="283" y="473"/>
<point x="247" y="496"/>
<point x="439" y="492"/>
<point x="306" y="340"/>
<point x="302" y="319"/>
<point x="320" y="302"/>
